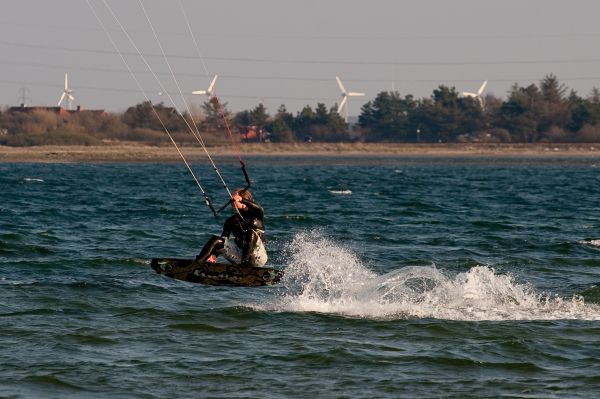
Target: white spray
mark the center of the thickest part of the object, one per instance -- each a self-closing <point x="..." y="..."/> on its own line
<point x="321" y="276"/>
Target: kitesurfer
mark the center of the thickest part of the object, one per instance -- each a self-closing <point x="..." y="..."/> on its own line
<point x="248" y="230"/>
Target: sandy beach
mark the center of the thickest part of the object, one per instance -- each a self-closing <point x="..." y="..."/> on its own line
<point x="141" y="153"/>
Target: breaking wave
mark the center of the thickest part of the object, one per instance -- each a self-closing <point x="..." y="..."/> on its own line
<point x="592" y="243"/>
<point x="322" y="276"/>
<point x="341" y="192"/>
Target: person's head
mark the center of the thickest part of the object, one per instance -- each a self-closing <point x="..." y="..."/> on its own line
<point x="245" y="194"/>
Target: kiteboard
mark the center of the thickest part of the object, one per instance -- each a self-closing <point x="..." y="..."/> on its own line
<point x="216" y="273"/>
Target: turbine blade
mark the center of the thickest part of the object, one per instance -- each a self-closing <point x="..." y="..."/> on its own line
<point x="66" y="82"/>
<point x="199" y="92"/>
<point x="212" y="84"/>
<point x="352" y="94"/>
<point x="342" y="104"/>
<point x="482" y="88"/>
<point x="339" y="82"/>
<point x="61" y="99"/>
<point x="71" y="97"/>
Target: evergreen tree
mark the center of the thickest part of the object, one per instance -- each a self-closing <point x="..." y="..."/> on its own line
<point x="447" y="116"/>
<point x="321" y="115"/>
<point x="579" y="112"/>
<point x="554" y="110"/>
<point x="552" y="90"/>
<point x="328" y="126"/>
<point x="303" y="122"/>
<point x="337" y="125"/>
<point x="519" y="114"/>
<point x="155" y="117"/>
<point x="213" y="120"/>
<point x="285" y="116"/>
<point x="259" y="116"/>
<point x="593" y="106"/>
<point x="243" y="118"/>
<point x="389" y="117"/>
<point x="280" y="127"/>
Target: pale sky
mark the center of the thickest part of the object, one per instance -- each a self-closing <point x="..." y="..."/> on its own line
<point x="289" y="52"/>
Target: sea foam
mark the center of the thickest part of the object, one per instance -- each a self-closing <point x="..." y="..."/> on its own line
<point x="323" y="276"/>
<point x="593" y="243"/>
<point x="341" y="192"/>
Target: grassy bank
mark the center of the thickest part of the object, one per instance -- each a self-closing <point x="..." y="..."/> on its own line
<point x="140" y="153"/>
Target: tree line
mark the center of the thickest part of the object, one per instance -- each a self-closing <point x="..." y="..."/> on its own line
<point x="547" y="112"/>
<point x="544" y="112"/>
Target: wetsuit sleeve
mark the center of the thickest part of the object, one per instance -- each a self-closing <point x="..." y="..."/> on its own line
<point x="256" y="210"/>
<point x="227" y="227"/>
<point x="254" y="215"/>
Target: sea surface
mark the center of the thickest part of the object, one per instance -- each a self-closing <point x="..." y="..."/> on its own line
<point x="404" y="278"/>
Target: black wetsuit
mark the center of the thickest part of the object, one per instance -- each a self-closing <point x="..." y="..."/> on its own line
<point x="253" y="216"/>
<point x="246" y="231"/>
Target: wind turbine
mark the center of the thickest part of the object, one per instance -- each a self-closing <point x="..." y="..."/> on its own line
<point x="477" y="95"/>
<point x="210" y="92"/>
<point x="66" y="94"/>
<point x="345" y="95"/>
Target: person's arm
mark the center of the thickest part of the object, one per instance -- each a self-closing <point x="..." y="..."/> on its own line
<point x="254" y="207"/>
<point x="255" y="215"/>
<point x="227" y="227"/>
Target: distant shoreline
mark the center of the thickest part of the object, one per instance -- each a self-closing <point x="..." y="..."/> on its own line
<point x="148" y="154"/>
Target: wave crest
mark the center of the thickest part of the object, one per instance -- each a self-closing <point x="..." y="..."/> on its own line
<point x="322" y="276"/>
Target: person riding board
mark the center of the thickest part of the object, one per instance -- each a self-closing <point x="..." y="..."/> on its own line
<point x="248" y="230"/>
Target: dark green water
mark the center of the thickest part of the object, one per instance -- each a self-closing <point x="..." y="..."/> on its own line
<point x="404" y="278"/>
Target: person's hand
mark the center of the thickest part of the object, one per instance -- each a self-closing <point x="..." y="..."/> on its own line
<point x="237" y="201"/>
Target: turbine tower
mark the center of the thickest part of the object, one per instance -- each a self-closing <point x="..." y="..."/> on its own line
<point x="66" y="94"/>
<point x="477" y="95"/>
<point x="344" y="102"/>
<point x="210" y="92"/>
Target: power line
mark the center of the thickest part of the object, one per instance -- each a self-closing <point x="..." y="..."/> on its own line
<point x="272" y="77"/>
<point x="287" y="36"/>
<point x="255" y="96"/>
<point x="305" y="61"/>
<point x="136" y="91"/>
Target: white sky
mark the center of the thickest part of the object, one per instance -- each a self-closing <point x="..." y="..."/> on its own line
<point x="289" y="52"/>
